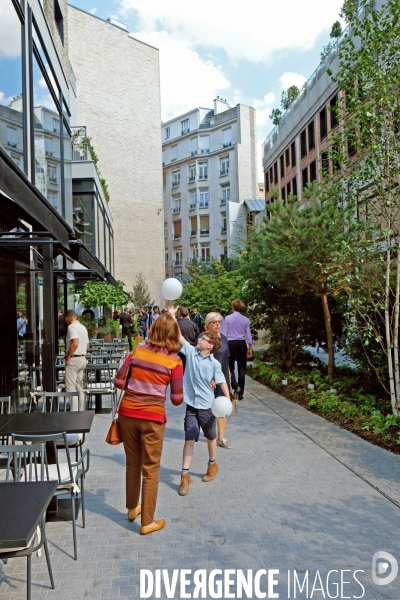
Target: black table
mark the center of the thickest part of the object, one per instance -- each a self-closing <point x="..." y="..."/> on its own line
<point x="22" y="507"/>
<point x="38" y="423"/>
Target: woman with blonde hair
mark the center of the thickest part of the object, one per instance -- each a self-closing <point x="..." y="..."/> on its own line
<point x="145" y="376"/>
<point x="213" y="323"/>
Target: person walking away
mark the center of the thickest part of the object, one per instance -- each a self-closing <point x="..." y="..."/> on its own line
<point x="126" y="321"/>
<point x="147" y="373"/>
<point x="237" y="330"/>
<point x="77" y="343"/>
<point x="189" y="331"/>
<point x="149" y="321"/>
<point x="201" y="370"/>
<point x="196" y="318"/>
<point x="142" y="323"/>
<point x="213" y="324"/>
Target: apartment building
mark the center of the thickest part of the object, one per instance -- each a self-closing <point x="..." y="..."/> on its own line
<point x="118" y="100"/>
<point x="209" y="169"/>
<point x="295" y="152"/>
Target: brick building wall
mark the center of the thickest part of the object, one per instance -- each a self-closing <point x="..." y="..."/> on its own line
<point x="118" y="99"/>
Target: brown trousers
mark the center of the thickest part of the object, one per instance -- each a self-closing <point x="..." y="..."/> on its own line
<point x="143" y="442"/>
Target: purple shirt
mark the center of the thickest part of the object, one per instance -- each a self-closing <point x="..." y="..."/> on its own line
<point x="237" y="327"/>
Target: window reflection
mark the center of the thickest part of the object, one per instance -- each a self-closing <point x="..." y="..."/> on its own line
<point x="11" y="102"/>
<point x="83" y="207"/>
<point x="47" y="140"/>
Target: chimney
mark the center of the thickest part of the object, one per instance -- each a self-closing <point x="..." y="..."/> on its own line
<point x="220" y="105"/>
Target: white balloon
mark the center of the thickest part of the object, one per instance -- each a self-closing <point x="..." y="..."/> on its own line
<point x="221" y="407"/>
<point x="171" y="289"/>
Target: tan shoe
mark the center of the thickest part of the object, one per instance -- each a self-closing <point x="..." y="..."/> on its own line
<point x="145" y="529"/>
<point x="132" y="514"/>
<point x="186" y="480"/>
<point x="212" y="471"/>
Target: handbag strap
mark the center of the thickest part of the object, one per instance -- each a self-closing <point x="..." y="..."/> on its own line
<point x="123" y="387"/>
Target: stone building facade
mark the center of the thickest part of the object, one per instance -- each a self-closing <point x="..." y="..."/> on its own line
<point x="118" y="99"/>
<point x="209" y="162"/>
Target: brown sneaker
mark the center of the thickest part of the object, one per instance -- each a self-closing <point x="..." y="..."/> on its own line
<point x="186" y="480"/>
<point x="212" y="471"/>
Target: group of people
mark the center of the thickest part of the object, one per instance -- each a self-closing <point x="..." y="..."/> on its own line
<point x="198" y="366"/>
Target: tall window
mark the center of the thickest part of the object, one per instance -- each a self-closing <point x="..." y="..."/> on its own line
<point x="303" y="144"/>
<point x="287" y="157"/>
<point x="224" y="165"/>
<point x="294" y="186"/>
<point x="304" y="177"/>
<point x="205" y="252"/>
<point x="166" y="256"/>
<point x="227" y="137"/>
<point x="174" y="152"/>
<point x="223" y="222"/>
<point x="194" y="251"/>
<point x="192" y="172"/>
<point x="323" y="124"/>
<point x="178" y="257"/>
<point x="293" y="153"/>
<point x="177" y="230"/>
<point x="203" y="170"/>
<point x="193" y="226"/>
<point x="203" y="198"/>
<point x="176" y="204"/>
<point x="167" y="132"/>
<point x="165" y="230"/>
<point x="225" y="194"/>
<point x="282" y="166"/>
<point x="276" y="172"/>
<point x="313" y="171"/>
<point x="311" y="137"/>
<point x="333" y="113"/>
<point x="205" y="144"/>
<point x="59" y="19"/>
<point x="192" y="199"/>
<point x="185" y="126"/>
<point x="11" y="101"/>
<point x="176" y="178"/>
<point x="204" y="225"/>
<point x="193" y="146"/>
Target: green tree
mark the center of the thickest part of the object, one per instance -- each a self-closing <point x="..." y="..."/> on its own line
<point x="289" y="96"/>
<point x="305" y="248"/>
<point x="368" y="148"/>
<point x="140" y="292"/>
<point x="208" y="291"/>
<point x="103" y="295"/>
<point x="336" y="30"/>
<point x="275" y="116"/>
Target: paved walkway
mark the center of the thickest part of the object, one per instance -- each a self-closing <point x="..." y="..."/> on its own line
<point x="283" y="499"/>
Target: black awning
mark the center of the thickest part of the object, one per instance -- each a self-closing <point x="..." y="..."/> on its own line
<point x="82" y="255"/>
<point x="110" y="279"/>
<point x="35" y="209"/>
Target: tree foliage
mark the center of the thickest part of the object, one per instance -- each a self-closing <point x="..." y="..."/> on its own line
<point x="289" y="96"/>
<point x="103" y="295"/>
<point x="214" y="289"/>
<point x="275" y="116"/>
<point x="140" y="292"/>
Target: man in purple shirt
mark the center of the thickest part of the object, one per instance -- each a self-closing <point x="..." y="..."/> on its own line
<point x="240" y="342"/>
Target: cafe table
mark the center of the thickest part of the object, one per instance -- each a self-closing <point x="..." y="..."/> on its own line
<point x="38" y="423"/>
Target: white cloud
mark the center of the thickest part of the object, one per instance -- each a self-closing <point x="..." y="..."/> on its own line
<point x="263" y="108"/>
<point x="4" y="100"/>
<point x="10" y="31"/>
<point x="186" y="80"/>
<point x="253" y="32"/>
<point x="93" y="10"/>
<point x="289" y="78"/>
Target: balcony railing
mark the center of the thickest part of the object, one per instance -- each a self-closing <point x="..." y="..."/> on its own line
<point x="222" y="201"/>
<point x="192" y="178"/>
<point x="203" y="177"/>
<point x="193" y="153"/>
<point x="223" y="172"/>
<point x="205" y="151"/>
<point x="49" y="153"/>
<point x="192" y="206"/>
<point x="185" y="131"/>
<point x="204" y="232"/>
<point x="193" y="233"/>
<point x="12" y="144"/>
<point x="223" y="229"/>
<point x="227" y="144"/>
<point x="177" y="263"/>
<point x="53" y="179"/>
<point x="177" y="236"/>
<point x="175" y="183"/>
<point x="176" y="209"/>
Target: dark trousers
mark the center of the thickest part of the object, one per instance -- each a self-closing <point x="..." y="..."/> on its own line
<point x="237" y="353"/>
<point x="127" y="331"/>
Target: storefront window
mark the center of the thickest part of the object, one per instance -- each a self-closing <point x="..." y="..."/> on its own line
<point x="83" y="210"/>
<point x="11" y="85"/>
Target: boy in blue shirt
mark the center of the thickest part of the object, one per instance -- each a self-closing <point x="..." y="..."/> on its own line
<point x="202" y="372"/>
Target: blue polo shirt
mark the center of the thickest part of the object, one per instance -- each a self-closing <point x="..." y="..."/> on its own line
<point x="199" y="372"/>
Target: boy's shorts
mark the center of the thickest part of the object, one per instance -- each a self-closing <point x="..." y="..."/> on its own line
<point x="196" y="418"/>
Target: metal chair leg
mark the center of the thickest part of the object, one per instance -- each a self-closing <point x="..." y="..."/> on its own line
<point x="74" y="524"/>
<point x="28" y="576"/>
<point x="46" y="549"/>
<point x="83" y="503"/>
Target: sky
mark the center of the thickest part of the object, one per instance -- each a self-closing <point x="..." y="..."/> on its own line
<point x="247" y="52"/>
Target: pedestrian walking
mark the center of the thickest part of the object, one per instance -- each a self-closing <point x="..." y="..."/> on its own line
<point x="77" y="343"/>
<point x="126" y="321"/>
<point x="240" y="342"/>
<point x="213" y="324"/>
<point x="21" y="326"/>
<point x="196" y="318"/>
<point x="152" y="368"/>
<point x="201" y="370"/>
<point x="142" y="323"/>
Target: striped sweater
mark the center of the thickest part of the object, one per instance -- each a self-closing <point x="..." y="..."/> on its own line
<point x="145" y="376"/>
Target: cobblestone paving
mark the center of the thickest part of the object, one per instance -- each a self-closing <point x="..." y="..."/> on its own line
<point x="280" y="501"/>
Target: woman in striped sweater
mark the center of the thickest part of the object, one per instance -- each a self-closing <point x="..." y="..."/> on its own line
<point x="152" y="367"/>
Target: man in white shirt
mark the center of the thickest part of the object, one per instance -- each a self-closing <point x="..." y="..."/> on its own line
<point x="75" y="359"/>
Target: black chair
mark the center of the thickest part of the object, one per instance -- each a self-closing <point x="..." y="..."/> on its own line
<point x="59" y="402"/>
<point x="66" y="474"/>
<point x="27" y="463"/>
